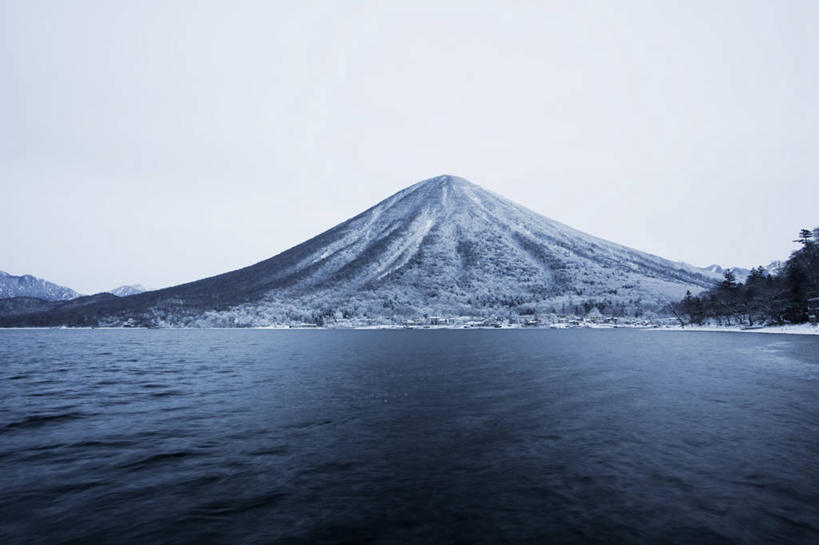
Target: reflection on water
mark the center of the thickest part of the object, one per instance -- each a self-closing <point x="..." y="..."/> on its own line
<point x="408" y="436"/>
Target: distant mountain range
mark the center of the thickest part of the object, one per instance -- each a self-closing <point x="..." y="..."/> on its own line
<point x="774" y="267"/>
<point x="31" y="286"/>
<point x="442" y="247"/>
<point x="27" y="294"/>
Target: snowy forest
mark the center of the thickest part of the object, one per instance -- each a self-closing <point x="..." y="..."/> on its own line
<point x="764" y="298"/>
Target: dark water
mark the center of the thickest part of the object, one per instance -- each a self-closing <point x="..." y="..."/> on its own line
<point x="576" y="436"/>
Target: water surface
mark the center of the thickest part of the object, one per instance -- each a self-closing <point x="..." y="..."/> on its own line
<point x="249" y="436"/>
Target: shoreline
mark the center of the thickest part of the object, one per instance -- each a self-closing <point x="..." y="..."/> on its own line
<point x="795" y="329"/>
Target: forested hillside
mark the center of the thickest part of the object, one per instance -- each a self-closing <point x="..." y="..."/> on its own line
<point x="764" y="297"/>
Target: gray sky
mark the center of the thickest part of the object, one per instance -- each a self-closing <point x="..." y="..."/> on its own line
<point x="161" y="142"/>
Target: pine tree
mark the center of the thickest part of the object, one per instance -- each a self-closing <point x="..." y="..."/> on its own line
<point x="730" y="281"/>
<point x="805" y="237"/>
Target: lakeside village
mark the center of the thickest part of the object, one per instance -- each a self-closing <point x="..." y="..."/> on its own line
<point x="559" y="322"/>
<point x="594" y="318"/>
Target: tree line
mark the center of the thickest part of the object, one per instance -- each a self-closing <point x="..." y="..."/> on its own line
<point x="765" y="297"/>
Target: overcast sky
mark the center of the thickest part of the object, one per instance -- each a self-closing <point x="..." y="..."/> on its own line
<point x="162" y="142"/>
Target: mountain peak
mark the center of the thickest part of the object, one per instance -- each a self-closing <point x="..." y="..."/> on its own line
<point x="441" y="182"/>
<point x="447" y="179"/>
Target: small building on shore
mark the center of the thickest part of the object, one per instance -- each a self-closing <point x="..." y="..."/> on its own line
<point x="813" y="310"/>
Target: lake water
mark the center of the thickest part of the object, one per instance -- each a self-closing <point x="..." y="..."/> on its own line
<point x="432" y="436"/>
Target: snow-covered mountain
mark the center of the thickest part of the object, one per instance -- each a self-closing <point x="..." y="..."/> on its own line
<point x="125" y="291"/>
<point x="716" y="269"/>
<point x="442" y="247"/>
<point x="31" y="286"/>
<point x="741" y="273"/>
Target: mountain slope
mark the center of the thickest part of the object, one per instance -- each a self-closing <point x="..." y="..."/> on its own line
<point x="31" y="286"/>
<point x="443" y="246"/>
<point x="11" y="306"/>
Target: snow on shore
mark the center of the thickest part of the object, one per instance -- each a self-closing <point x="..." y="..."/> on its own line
<point x="793" y="329"/>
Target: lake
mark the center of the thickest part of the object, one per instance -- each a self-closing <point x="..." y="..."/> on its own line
<point x="405" y="436"/>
